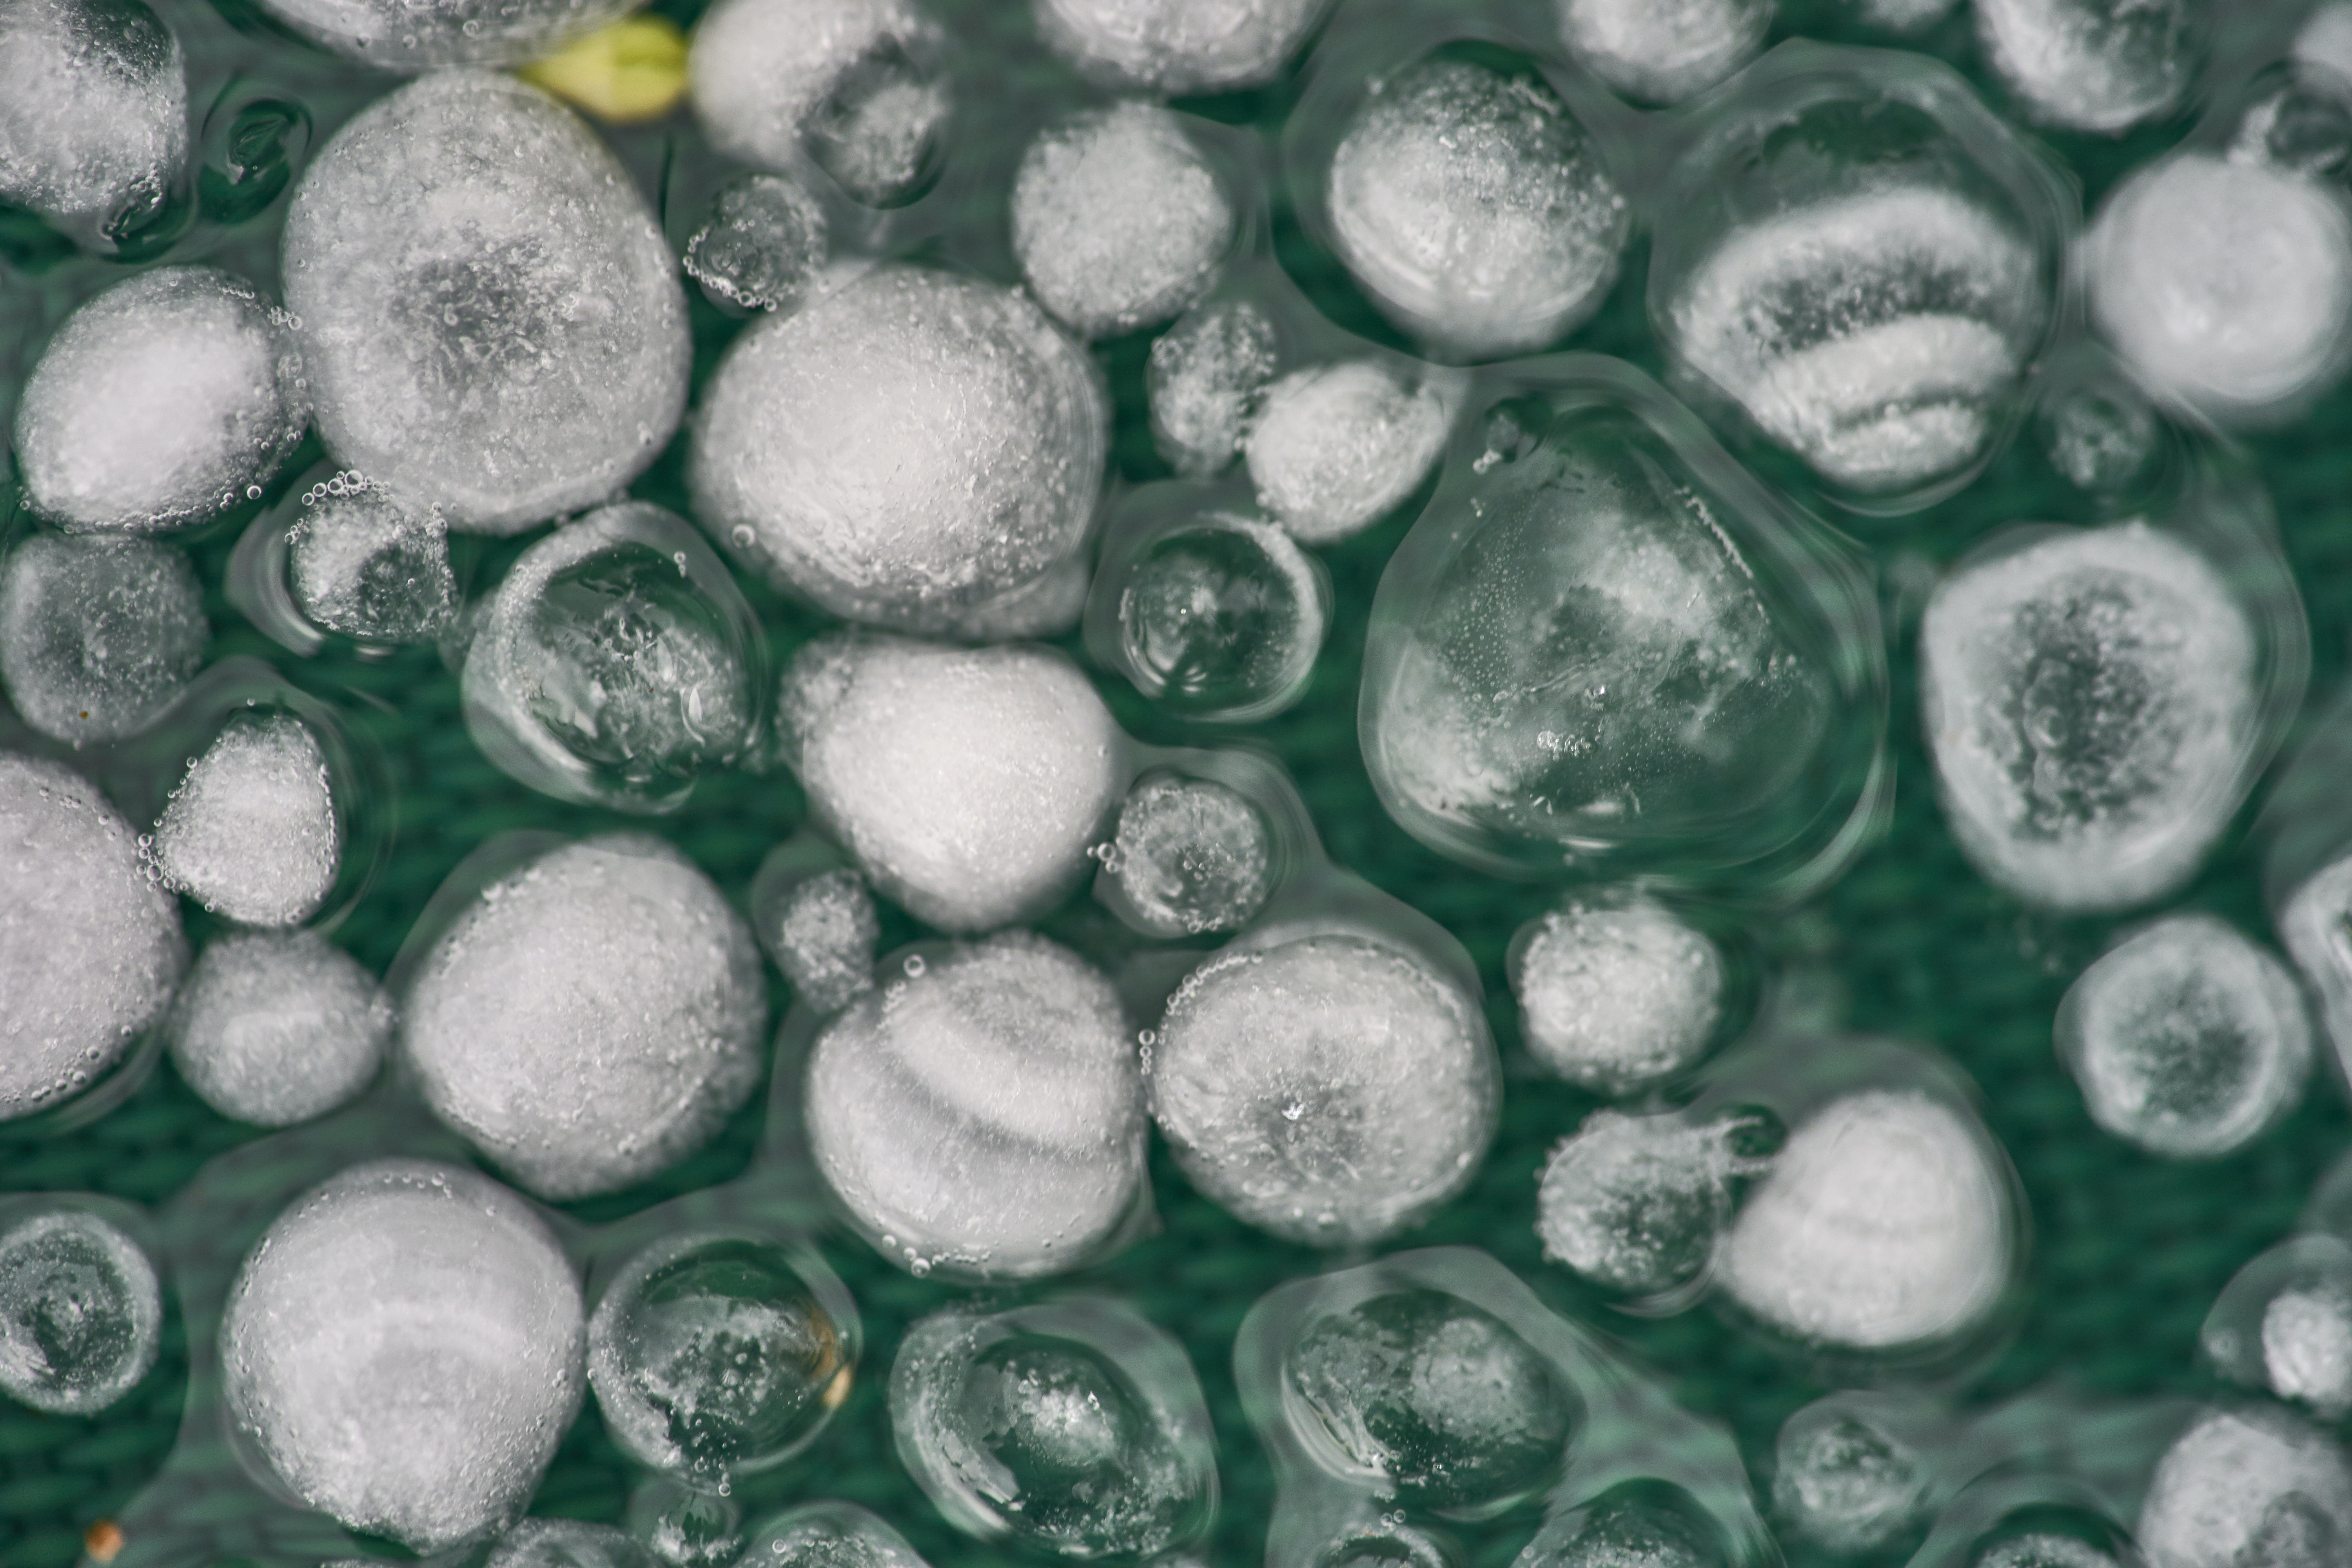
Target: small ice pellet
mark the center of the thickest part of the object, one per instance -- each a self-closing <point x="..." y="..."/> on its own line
<point x="1335" y="448"/>
<point x="274" y="1028"/>
<point x="1616" y="994"/>
<point x="93" y="110"/>
<point x="2242" y="1488"/>
<point x="1845" y="1485"/>
<point x="1222" y="617"/>
<point x="1662" y="51"/>
<point x="1203" y="383"/>
<point x="2091" y="64"/>
<point x="1190" y="857"/>
<point x="158" y="403"/>
<point x="1632" y="1528"/>
<point x="1636" y="1202"/>
<point x="1178" y="47"/>
<point x="254" y="833"/>
<point x="362" y="562"/>
<point x="762" y="247"/>
<point x="823" y="939"/>
<point x="2307" y="1347"/>
<point x="830" y="1535"/>
<point x="98" y="636"/>
<point x="81" y="1316"/>
<point x="567" y="1543"/>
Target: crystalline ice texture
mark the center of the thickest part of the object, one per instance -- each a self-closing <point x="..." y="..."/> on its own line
<point x="1335" y="448"/>
<point x="1203" y="382"/>
<point x="590" y="1017"/>
<point x="1222" y="618"/>
<point x="1662" y="50"/>
<point x="830" y="1535"/>
<point x="81" y="1316"/>
<point x="2248" y="1487"/>
<point x="825" y="939"/>
<point x="1614" y="993"/>
<point x="566" y="1543"/>
<point x="1632" y="1528"/>
<point x="2044" y="1549"/>
<point x="2090" y="701"/>
<point x="98" y="635"/>
<point x="402" y="1348"/>
<point x="2307" y="1347"/>
<point x="984" y="1112"/>
<point x="1845" y="1485"/>
<point x="362" y="562"/>
<point x="93" y="110"/>
<point x="968" y="783"/>
<point x="1178" y="47"/>
<point x="90" y="948"/>
<point x="415" y="35"/>
<point x="253" y="833"/>
<point x="278" y="1028"/>
<point x="1635" y="1203"/>
<point x="1191" y="855"/>
<point x="491" y="320"/>
<point x="763" y="246"/>
<point x="2090" y="64"/>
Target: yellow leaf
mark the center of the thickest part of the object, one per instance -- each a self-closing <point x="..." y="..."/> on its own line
<point x="631" y="72"/>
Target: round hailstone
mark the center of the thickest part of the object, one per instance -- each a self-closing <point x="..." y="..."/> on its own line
<point x="1884" y="1224"/>
<point x="404" y="1349"/>
<point x="278" y="1028"/>
<point x="98" y="635"/>
<point x="1222" y="617"/>
<point x="830" y="1535"/>
<point x="822" y="934"/>
<point x="1190" y="857"/>
<point x="1203" y="382"/>
<point x="412" y="35"/>
<point x="252" y="833"/>
<point x="763" y="246"/>
<point x="1615" y="995"/>
<point x="81" y="1316"/>
<point x="161" y="403"/>
<point x="1660" y="51"/>
<point x="910" y="445"/>
<point x="2091" y="64"/>
<point x="1178" y="47"/>
<point x="1635" y="1203"/>
<point x="968" y="783"/>
<point x="1338" y="447"/>
<point x="2248" y="1487"/>
<point x="89" y="947"/>
<point x="492" y="321"/>
<point x="568" y="1543"/>
<point x="362" y="562"/>
<point x="2307" y="1346"/>
<point x="93" y="110"/>
<point x="592" y="1018"/>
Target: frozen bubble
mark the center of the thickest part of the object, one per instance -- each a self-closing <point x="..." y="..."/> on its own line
<point x="412" y="35"/>
<point x="1845" y="1485"/>
<point x="685" y="1526"/>
<point x="761" y="246"/>
<point x="81" y="1314"/>
<point x="1222" y="617"/>
<point x="490" y="318"/>
<point x="1324" y="1086"/>
<point x="362" y="562"/>
<point x="1078" y="1428"/>
<point x="1203" y="383"/>
<point x="277" y="1029"/>
<point x="158" y="403"/>
<point x="2186" y="1039"/>
<point x="1654" y="1525"/>
<point x="402" y="1348"/>
<point x="98" y="635"/>
<point x="1635" y="1203"/>
<point x="911" y="446"/>
<point x="1660" y="51"/>
<point x="1337" y="447"/>
<point x="89" y="947"/>
<point x="1475" y="208"/>
<point x="1616" y="992"/>
<point x="983" y="1113"/>
<point x="93" y="110"/>
<point x="2090" y="700"/>
<point x="253" y="833"/>
<point x="1190" y="857"/>
<point x="967" y="782"/>
<point x="2307" y="1337"/>
<point x="590" y="1017"/>
<point x="830" y="1535"/>
<point x="1884" y="1222"/>
<point x="1874" y="334"/>
<point x="566" y="1543"/>
<point x="2090" y="64"/>
<point x="1117" y="220"/>
<point x="824" y="937"/>
<point x="1432" y="1397"/>
<point x="844" y="81"/>
<point x="615" y="662"/>
<point x="1178" y="47"/>
<point x="2248" y="1489"/>
<point x="2227" y="283"/>
<point x="712" y="1355"/>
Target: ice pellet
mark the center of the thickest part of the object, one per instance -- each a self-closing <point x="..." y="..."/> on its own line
<point x="93" y="111"/>
<point x="1223" y="617"/>
<point x="763" y="246"/>
<point x="362" y="562"/>
<point x="1635" y="1527"/>
<point x="1203" y="383"/>
<point x="1335" y="448"/>
<point x="2306" y="1348"/>
<point x="823" y="936"/>
<point x="1662" y="51"/>
<point x="2090" y="64"/>
<point x="1636" y="1202"/>
<point x="81" y="1316"/>
<point x="1178" y="47"/>
<point x="277" y="1029"/>
<point x="2240" y="1488"/>
<point x="1616" y="993"/>
<point x="566" y="1543"/>
<point x="1843" y="1484"/>
<point x="830" y="1535"/>
<point x="414" y="34"/>
<point x="254" y="833"/>
<point x="1190" y="856"/>
<point x="98" y="635"/>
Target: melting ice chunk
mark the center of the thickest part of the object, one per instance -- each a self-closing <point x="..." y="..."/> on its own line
<point x="1663" y="50"/>
<point x="1178" y="47"/>
<point x="2091" y="64"/>
<point x="93" y="111"/>
<point x="2244" y="1488"/>
<point x="362" y="562"/>
<point x="1203" y="383"/>
<point x="98" y="635"/>
<point x="253" y="833"/>
<point x="81" y="1316"/>
<point x="1222" y="617"/>
<point x="277" y="1029"/>
<point x="1335" y="448"/>
<point x="1190" y="856"/>
<point x="763" y="246"/>
<point x="1636" y="1202"/>
<point x="1616" y="993"/>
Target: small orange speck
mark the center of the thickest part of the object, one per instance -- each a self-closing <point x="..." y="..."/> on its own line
<point x="103" y="1540"/>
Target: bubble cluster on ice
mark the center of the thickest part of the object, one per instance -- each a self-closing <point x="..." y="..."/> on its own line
<point x="253" y="832"/>
<point x="98" y="636"/>
<point x="275" y="1028"/>
<point x="81" y="1316"/>
<point x="362" y="562"/>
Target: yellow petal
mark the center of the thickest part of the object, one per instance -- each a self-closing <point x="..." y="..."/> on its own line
<point x="631" y="72"/>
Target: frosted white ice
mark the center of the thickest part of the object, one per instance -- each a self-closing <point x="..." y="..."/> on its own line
<point x="412" y="35"/>
<point x="89" y="947"/>
<point x="2307" y="1347"/>
<point x="1844" y="1484"/>
<point x="277" y="1029"/>
<point x="1178" y="47"/>
<point x="98" y="635"/>
<point x="1635" y="1203"/>
<point x="1191" y="855"/>
<point x="910" y="445"/>
<point x="254" y="833"/>
<point x="1336" y="446"/>
<point x="1884" y="1223"/>
<point x="2090" y="64"/>
<point x="362" y="562"/>
<point x="1663" y="50"/>
<point x="402" y="1348"/>
<point x="93" y="108"/>
<point x="968" y="783"/>
<point x="81" y="1316"/>
<point x="491" y="320"/>
<point x="567" y="1543"/>
<point x="984" y="1111"/>
<point x="2248" y="1487"/>
<point x="1614" y="993"/>
<point x="2315" y="925"/>
<point x="2090" y="700"/>
<point x="1203" y="383"/>
<point x="590" y="1017"/>
<point x="825" y="939"/>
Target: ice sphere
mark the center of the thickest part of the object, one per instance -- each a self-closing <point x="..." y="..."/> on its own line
<point x="1180" y="48"/>
<point x="2187" y="1038"/>
<point x="80" y="1314"/>
<point x="403" y="1349"/>
<point x="159" y="402"/>
<point x="1119" y="221"/>
<point x="1474" y="208"/>
<point x="2283" y="1324"/>
<point x="2226" y="282"/>
<point x="275" y="1028"/>
<point x="847" y="83"/>
<point x="2307" y="1347"/>
<point x="93" y="112"/>
<point x="2090" y="699"/>
<point x="1325" y="1085"/>
<point x="1842" y="1483"/>
<point x="1190" y="856"/>
<point x="2242" y="1488"/>
<point x="1337" y="446"/>
<point x="2101" y="437"/>
<point x="1660" y="51"/>
<point x="1637" y="1202"/>
<point x="983" y="1112"/>
<point x="762" y="247"/>
<point x="1075" y="1428"/>
<point x="491" y="320"/>
<point x="1903" y="16"/>
<point x="968" y="783"/>
<point x="98" y="635"/>
<point x="1884" y="1223"/>
<point x="830" y="1535"/>
<point x="362" y="562"/>
<point x="89" y="947"/>
<point x="1219" y="614"/>
<point x="687" y="1527"/>
<point x="2090" y="64"/>
<point x="1203" y="383"/>
<point x="253" y="833"/>
<point x="566" y="1543"/>
<point x="1616" y="990"/>
<point x="416" y="34"/>
<point x="1632" y="1526"/>
<point x="823" y="935"/>
<point x="910" y="445"/>
<point x="1437" y="1400"/>
<point x="590" y="1017"/>
<point x="714" y="1356"/>
<point x="616" y="663"/>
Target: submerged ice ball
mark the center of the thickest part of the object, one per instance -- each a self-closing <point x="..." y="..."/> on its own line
<point x="277" y="1027"/>
<point x="363" y="562"/>
<point x="93" y="111"/>
<point x="253" y="832"/>
<point x="762" y="247"/>
<point x="98" y="636"/>
<point x="2246" y="1487"/>
<point x="1637" y="1204"/>
<point x="830" y="1535"/>
<point x="81" y="1316"/>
